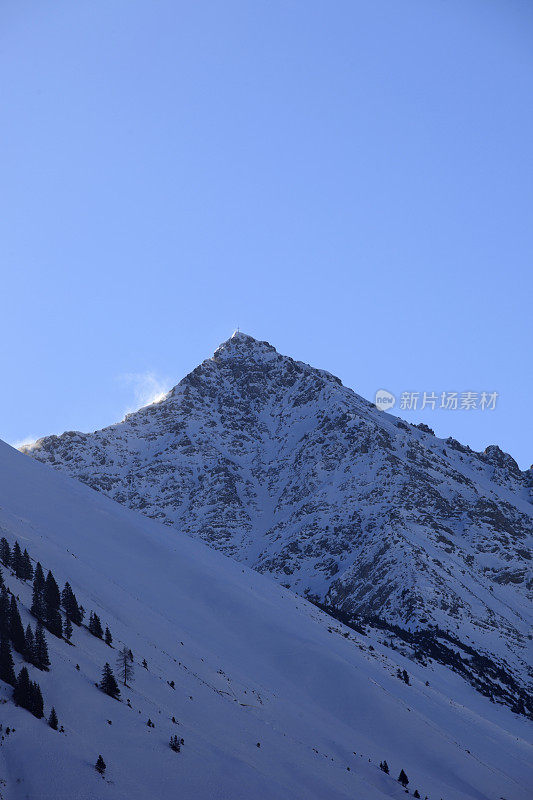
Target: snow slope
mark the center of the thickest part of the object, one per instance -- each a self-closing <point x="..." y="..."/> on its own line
<point x="282" y="467"/>
<point x="251" y="662"/>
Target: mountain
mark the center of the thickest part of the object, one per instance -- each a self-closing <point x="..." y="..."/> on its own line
<point x="273" y="699"/>
<point x="281" y="467"/>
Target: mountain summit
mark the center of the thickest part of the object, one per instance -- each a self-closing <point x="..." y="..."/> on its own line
<point x="280" y="466"/>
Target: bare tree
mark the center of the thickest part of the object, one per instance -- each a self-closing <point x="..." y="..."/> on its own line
<point x="125" y="665"/>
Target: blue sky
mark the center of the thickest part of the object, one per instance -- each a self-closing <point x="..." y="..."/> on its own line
<point x="351" y="181"/>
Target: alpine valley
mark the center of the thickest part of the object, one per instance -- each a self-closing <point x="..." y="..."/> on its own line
<point x="366" y="618"/>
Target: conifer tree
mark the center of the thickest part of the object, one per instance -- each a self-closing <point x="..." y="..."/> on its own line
<point x="52" y="601"/>
<point x="42" y="659"/>
<point x="108" y="684"/>
<point x="22" y="690"/>
<point x="384" y="767"/>
<point x="4" y="612"/>
<point x="124" y="665"/>
<point x="16" y="560"/>
<point x="36" y="701"/>
<point x="29" y="652"/>
<point x="37" y="604"/>
<point x="107" y="636"/>
<point x="5" y="552"/>
<point x="16" y="631"/>
<point x="7" y="668"/>
<point x="27" y="568"/>
<point x="67" y="628"/>
<point x="52" y="719"/>
<point x="403" y="779"/>
<point x="1" y="579"/>
<point x="175" y="744"/>
<point x="416" y="793"/>
<point x="95" y="626"/>
<point x="100" y="765"/>
<point x="70" y="604"/>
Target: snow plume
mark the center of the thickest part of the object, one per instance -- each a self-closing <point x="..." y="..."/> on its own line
<point x="147" y="387"/>
<point x="28" y="443"/>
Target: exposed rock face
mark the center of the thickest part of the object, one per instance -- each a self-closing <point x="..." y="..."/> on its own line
<point x="280" y="466"/>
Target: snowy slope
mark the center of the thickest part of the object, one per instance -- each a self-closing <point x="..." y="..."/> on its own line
<point x="280" y="466"/>
<point x="251" y="662"/>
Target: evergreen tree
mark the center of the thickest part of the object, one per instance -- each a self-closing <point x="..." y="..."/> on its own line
<point x="37" y="604"/>
<point x="7" y="668"/>
<point x="405" y="676"/>
<point x="52" y="601"/>
<point x="107" y="636"/>
<point x="5" y="552"/>
<point x="95" y="626"/>
<point x="16" y="631"/>
<point x="416" y="794"/>
<point x="100" y="765"/>
<point x="108" y="684"/>
<point x="22" y="692"/>
<point x="175" y="744"/>
<point x="70" y="604"/>
<point x="30" y="653"/>
<point x="403" y="779"/>
<point x="16" y="561"/>
<point x="36" y="701"/>
<point x="384" y="767"/>
<point x="27" y="568"/>
<point x="4" y="612"/>
<point x="124" y="665"/>
<point x="1" y="579"/>
<point x="52" y="719"/>
<point x="67" y="628"/>
<point x="42" y="659"/>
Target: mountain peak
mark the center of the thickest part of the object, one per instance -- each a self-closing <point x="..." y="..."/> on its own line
<point x="242" y="345"/>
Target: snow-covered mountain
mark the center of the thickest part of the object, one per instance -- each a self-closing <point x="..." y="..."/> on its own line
<point x="274" y="700"/>
<point x="280" y="466"/>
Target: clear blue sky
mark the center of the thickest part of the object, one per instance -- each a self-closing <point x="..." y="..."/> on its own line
<point x="352" y="181"/>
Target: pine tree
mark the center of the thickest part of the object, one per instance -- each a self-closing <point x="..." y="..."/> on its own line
<point x="1" y="579"/>
<point x="108" y="684"/>
<point x="100" y="765"/>
<point x="52" y="601"/>
<point x="37" y="604"/>
<point x="67" y="628"/>
<point x="107" y="636"/>
<point x="95" y="626"/>
<point x="52" y="719"/>
<point x="405" y="676"/>
<point x="403" y="779"/>
<point x="4" y="612"/>
<point x="36" y="701"/>
<point x="29" y="652"/>
<point x="124" y="665"/>
<point x="416" y="793"/>
<point x="16" y="631"/>
<point x="7" y="668"/>
<point x="16" y="561"/>
<point x="42" y="659"/>
<point x="22" y="690"/>
<point x="384" y="767"/>
<point x="70" y="604"/>
<point x="5" y="552"/>
<point x="175" y="744"/>
<point x="27" y="568"/>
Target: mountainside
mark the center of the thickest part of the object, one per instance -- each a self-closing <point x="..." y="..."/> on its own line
<point x="281" y="467"/>
<point x="272" y="698"/>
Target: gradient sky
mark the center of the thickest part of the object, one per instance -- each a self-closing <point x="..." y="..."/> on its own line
<point x="352" y="181"/>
